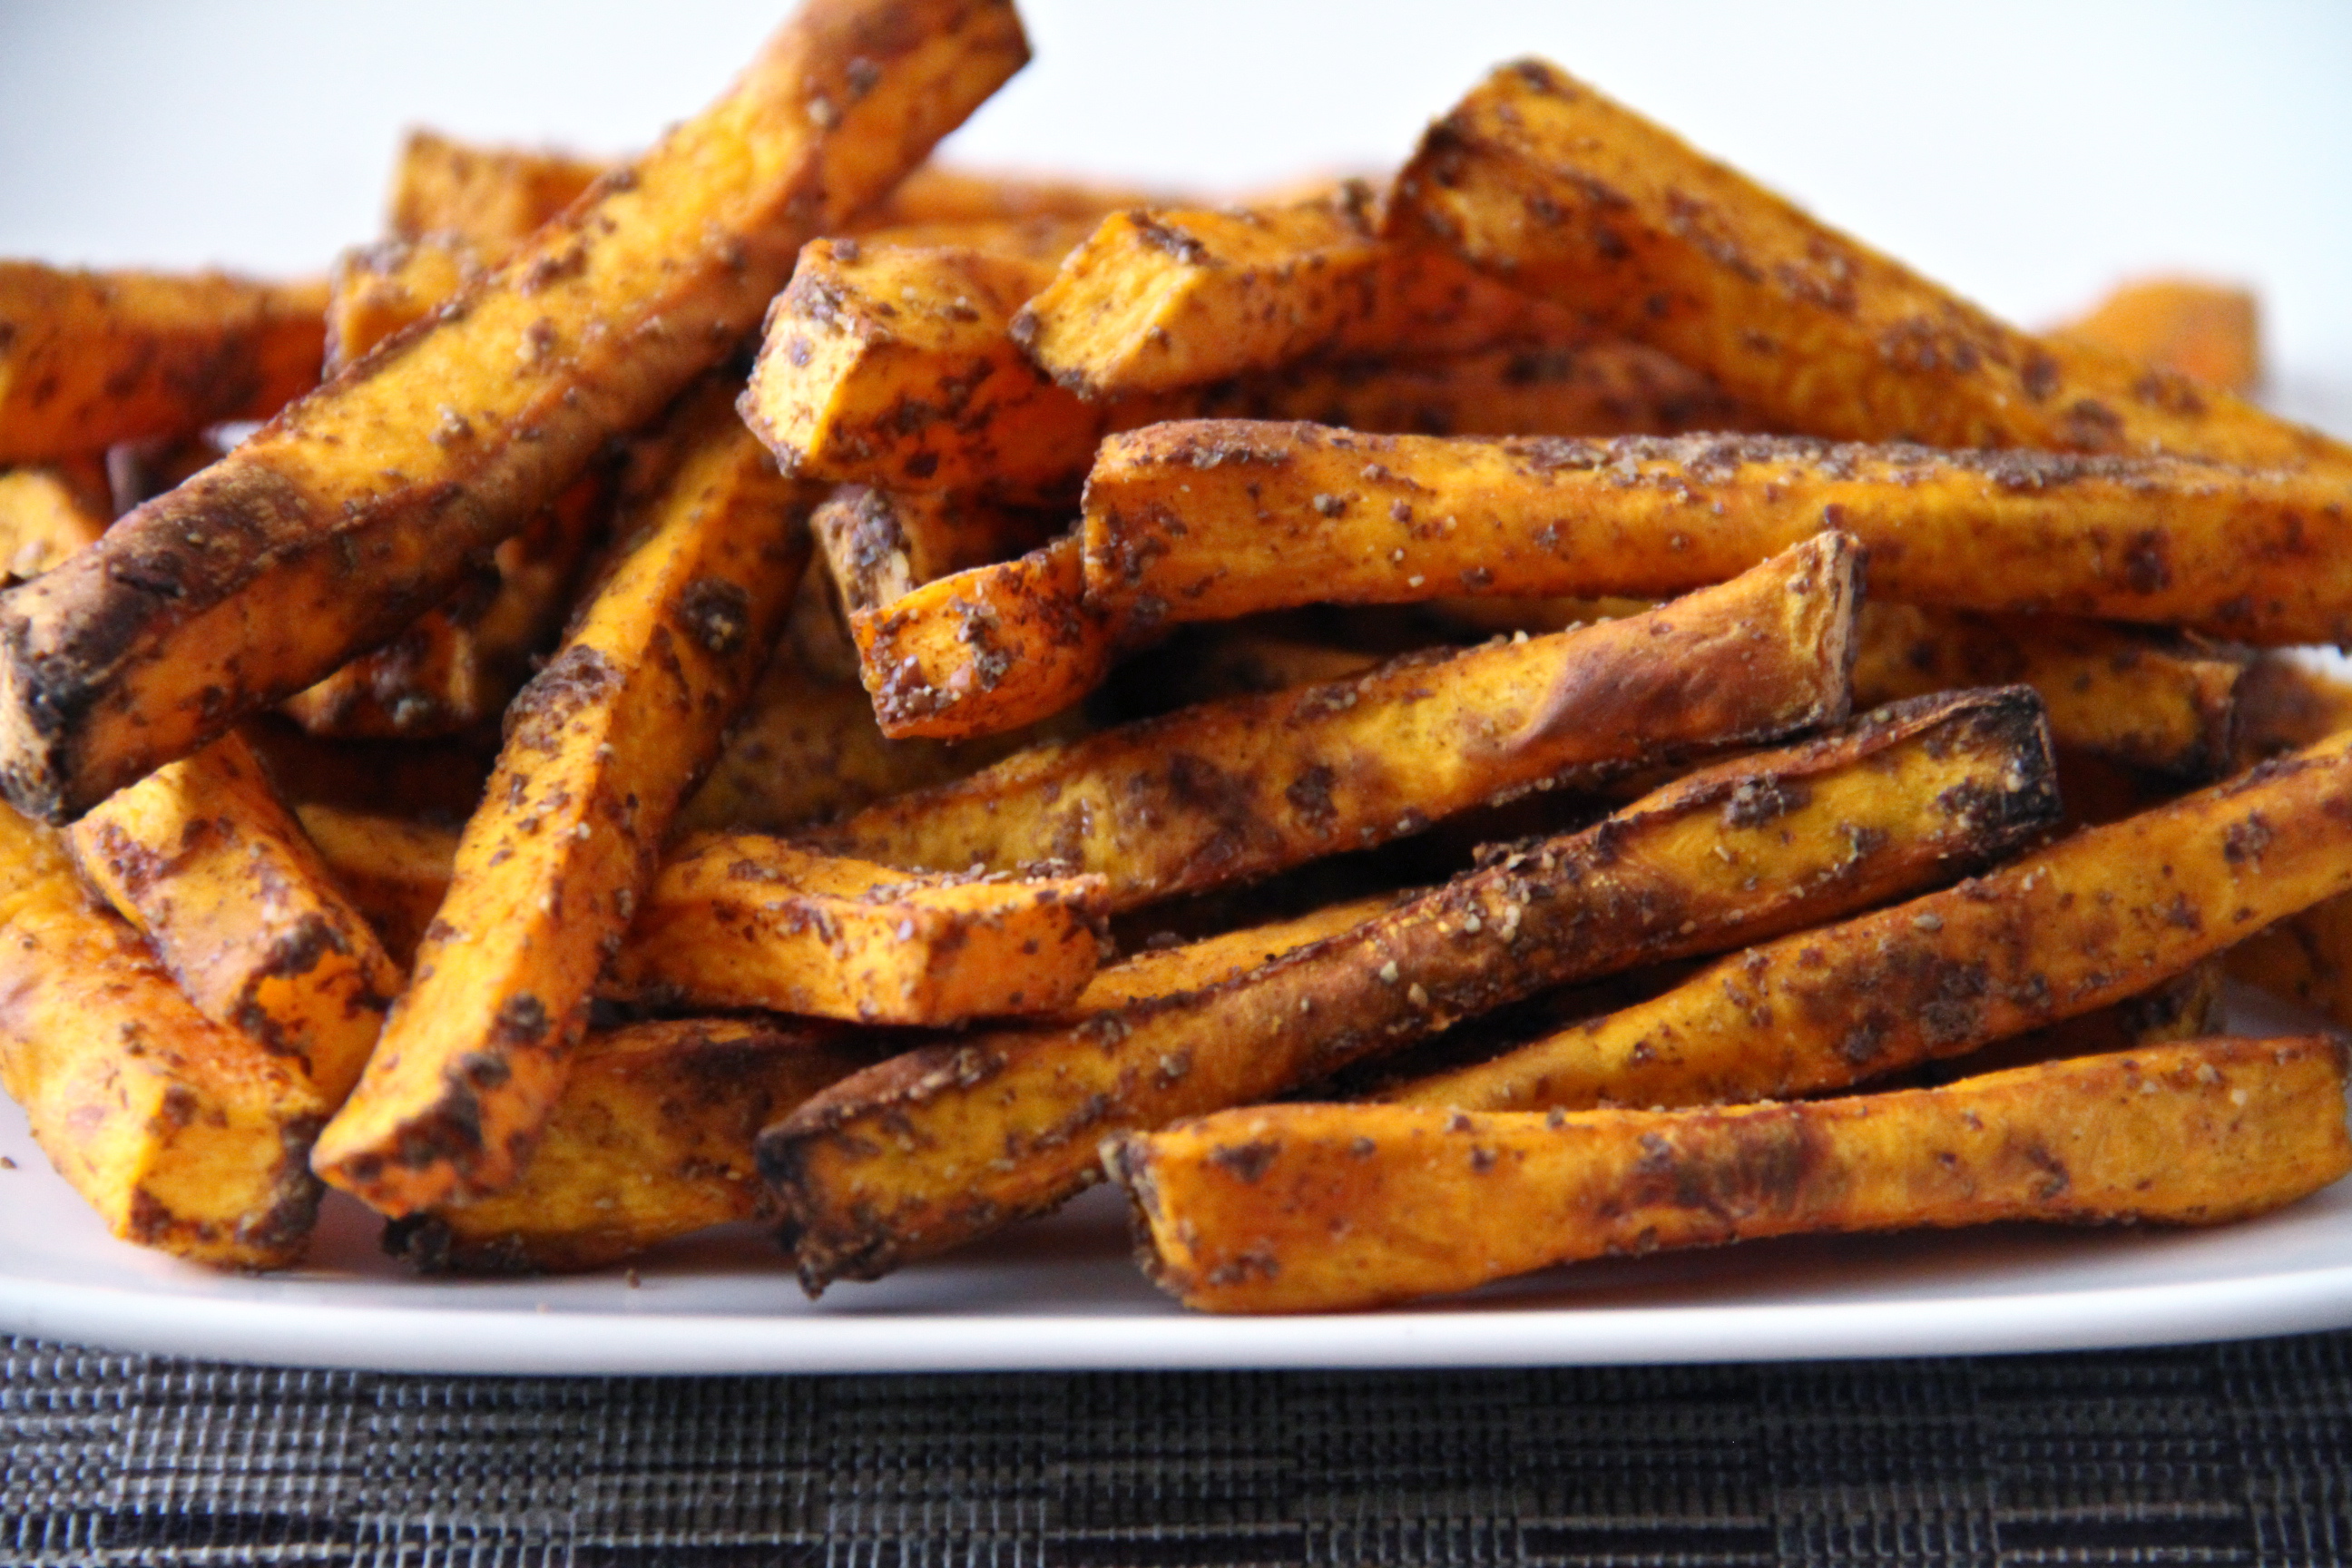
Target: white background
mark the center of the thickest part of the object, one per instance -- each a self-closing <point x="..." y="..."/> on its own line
<point x="2027" y="154"/>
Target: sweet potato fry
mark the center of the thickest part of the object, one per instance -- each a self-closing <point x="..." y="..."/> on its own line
<point x="2306" y="958"/>
<point x="182" y="1135"/>
<point x="741" y="921"/>
<point x="206" y="861"/>
<point x="1299" y="1208"/>
<point x="492" y="198"/>
<point x="1577" y="199"/>
<point x="88" y="359"/>
<point x="47" y="514"/>
<point x="2285" y="704"/>
<point x="394" y="871"/>
<point x="1235" y="791"/>
<point x="601" y="748"/>
<point x="2145" y="700"/>
<point x="651" y="1139"/>
<point x="1209" y="520"/>
<point x="987" y="650"/>
<point x="2096" y="917"/>
<point x="356" y="511"/>
<point x="881" y="545"/>
<point x="949" y="1141"/>
<point x="2209" y="331"/>
<point x="889" y="365"/>
<point x="1156" y="301"/>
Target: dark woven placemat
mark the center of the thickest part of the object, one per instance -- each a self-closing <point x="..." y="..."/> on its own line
<point x="2216" y="1453"/>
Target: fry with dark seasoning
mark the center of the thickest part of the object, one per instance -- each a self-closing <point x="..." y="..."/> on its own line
<point x="357" y="508"/>
<point x="1574" y="198"/>
<point x="1155" y="301"/>
<point x="208" y="862"/>
<point x="1234" y="791"/>
<point x="182" y="1133"/>
<point x="881" y="545"/>
<point x="1301" y="1208"/>
<point x="651" y="1139"/>
<point x="2096" y="917"/>
<point x="90" y="359"/>
<point x="955" y="1140"/>
<point x="601" y="748"/>
<point x="1209" y="520"/>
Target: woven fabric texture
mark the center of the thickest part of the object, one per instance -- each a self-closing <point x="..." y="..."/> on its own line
<point x="2217" y="1454"/>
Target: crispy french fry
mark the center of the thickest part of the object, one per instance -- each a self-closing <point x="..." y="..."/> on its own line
<point x="461" y="663"/>
<point x="883" y="544"/>
<point x="47" y="514"/>
<point x="1234" y="791"/>
<point x="1153" y="302"/>
<point x="987" y="650"/>
<point x="948" y="1141"/>
<point x="182" y="1135"/>
<point x="741" y="921"/>
<point x="377" y="289"/>
<point x="651" y="1139"/>
<point x="492" y="198"/>
<point x="2143" y="701"/>
<point x="2096" y="917"/>
<point x="1209" y="520"/>
<point x="1301" y="1208"/>
<point x="88" y="359"/>
<point x="601" y="749"/>
<point x="2188" y="1007"/>
<point x="2206" y="331"/>
<point x="210" y="866"/>
<point x="1575" y="198"/>
<point x="312" y="550"/>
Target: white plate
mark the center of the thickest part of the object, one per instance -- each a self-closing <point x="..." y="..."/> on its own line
<point x="1064" y="1293"/>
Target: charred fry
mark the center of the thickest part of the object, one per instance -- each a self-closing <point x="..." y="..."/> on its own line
<point x="1320" y="1207"/>
<point x="1575" y="198"/>
<point x="600" y="750"/>
<point x="2094" y="918"/>
<point x="311" y="550"/>
<point x="951" y="1140"/>
<point x="1235" y="791"/>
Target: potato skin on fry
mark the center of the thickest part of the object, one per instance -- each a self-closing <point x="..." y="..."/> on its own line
<point x="2096" y="917"/>
<point x="1576" y="198"/>
<point x="354" y="512"/>
<point x="601" y="748"/>
<point x="949" y="1141"/>
<point x="88" y="359"/>
<point x="1234" y="791"/>
<point x="1211" y="519"/>
<point x="206" y="861"/>
<point x="651" y="1139"/>
<point x="1298" y="1208"/>
<point x="182" y="1135"/>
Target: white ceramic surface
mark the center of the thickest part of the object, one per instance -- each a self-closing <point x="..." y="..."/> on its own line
<point x="1062" y="1293"/>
